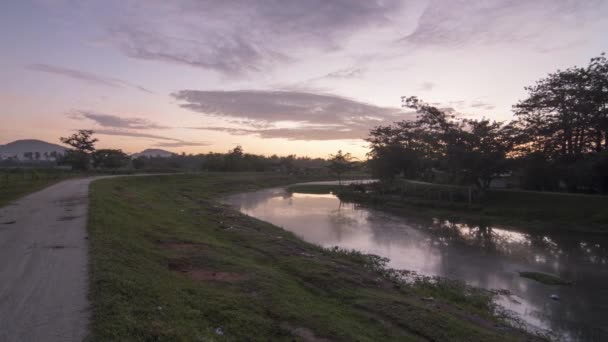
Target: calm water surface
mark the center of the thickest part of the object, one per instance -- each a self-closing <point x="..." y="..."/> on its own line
<point x="483" y="256"/>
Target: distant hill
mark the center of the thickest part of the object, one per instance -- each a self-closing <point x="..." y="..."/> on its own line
<point x="153" y="152"/>
<point x="31" y="149"/>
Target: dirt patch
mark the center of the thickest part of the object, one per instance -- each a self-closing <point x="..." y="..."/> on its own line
<point x="204" y="274"/>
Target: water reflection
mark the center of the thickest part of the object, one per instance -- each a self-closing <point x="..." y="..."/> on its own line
<point x="481" y="255"/>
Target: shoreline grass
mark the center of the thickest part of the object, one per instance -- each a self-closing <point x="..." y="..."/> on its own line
<point x="168" y="262"/>
<point x="544" y="278"/>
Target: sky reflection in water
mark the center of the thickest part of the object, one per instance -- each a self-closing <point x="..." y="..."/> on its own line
<point x="482" y="256"/>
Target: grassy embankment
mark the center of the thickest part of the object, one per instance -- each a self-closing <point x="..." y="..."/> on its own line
<point x="168" y="262"/>
<point x="18" y="182"/>
<point x="526" y="209"/>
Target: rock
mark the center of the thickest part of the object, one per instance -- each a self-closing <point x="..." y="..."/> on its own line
<point x="219" y="331"/>
<point x="554" y="297"/>
<point x="428" y="299"/>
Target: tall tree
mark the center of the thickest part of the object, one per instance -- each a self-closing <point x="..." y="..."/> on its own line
<point x="566" y="113"/>
<point x="83" y="143"/>
<point x="565" y="117"/>
<point x="467" y="151"/>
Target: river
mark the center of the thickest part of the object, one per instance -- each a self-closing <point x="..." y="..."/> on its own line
<point x="484" y="256"/>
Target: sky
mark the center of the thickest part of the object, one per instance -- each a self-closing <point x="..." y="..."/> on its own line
<point x="305" y="77"/>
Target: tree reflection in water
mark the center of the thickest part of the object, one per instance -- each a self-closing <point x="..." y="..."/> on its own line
<point x="479" y="253"/>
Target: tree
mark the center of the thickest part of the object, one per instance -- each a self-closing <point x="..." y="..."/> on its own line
<point x="565" y="119"/>
<point x="566" y="113"/>
<point x="109" y="158"/>
<point x="234" y="159"/>
<point x="466" y="151"/>
<point x="482" y="153"/>
<point x="83" y="143"/>
<point x="340" y="163"/>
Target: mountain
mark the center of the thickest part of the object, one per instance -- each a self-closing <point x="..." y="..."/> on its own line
<point x="40" y="150"/>
<point x="153" y="152"/>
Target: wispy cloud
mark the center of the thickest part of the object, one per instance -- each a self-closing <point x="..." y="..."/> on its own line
<point x="134" y="134"/>
<point x="108" y="120"/>
<point x="84" y="76"/>
<point x="240" y="36"/>
<point x="181" y="144"/>
<point x="457" y="23"/>
<point x="482" y="105"/>
<point x="427" y="86"/>
<point x="289" y="114"/>
<point x="298" y="133"/>
<point x="131" y="127"/>
<point x="166" y="141"/>
<point x="347" y="73"/>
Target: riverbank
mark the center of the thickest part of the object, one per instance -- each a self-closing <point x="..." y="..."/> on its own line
<point x="168" y="262"/>
<point x="538" y="211"/>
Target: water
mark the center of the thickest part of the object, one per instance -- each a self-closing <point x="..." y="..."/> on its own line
<point x="483" y="256"/>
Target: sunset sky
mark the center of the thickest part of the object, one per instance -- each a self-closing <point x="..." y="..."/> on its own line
<point x="296" y="76"/>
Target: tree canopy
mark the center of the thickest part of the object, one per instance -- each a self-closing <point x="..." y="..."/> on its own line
<point x="559" y="138"/>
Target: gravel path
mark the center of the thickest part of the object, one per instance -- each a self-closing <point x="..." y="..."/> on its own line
<point x="44" y="265"/>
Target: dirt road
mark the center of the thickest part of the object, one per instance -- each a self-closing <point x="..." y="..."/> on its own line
<point x="44" y="265"/>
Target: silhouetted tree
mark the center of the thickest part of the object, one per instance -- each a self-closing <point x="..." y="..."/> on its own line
<point x="467" y="151"/>
<point x="108" y="158"/>
<point x="340" y="163"/>
<point x="565" y="119"/>
<point x="83" y="143"/>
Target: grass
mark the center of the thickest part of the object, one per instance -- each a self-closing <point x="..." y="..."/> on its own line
<point x="545" y="278"/>
<point x="168" y="262"/>
<point x="18" y="183"/>
<point x="547" y="206"/>
<point x="525" y="209"/>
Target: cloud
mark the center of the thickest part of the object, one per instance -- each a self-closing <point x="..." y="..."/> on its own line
<point x="353" y="72"/>
<point x="482" y="105"/>
<point x="135" y="134"/>
<point x="239" y="36"/>
<point x="272" y="106"/>
<point x="427" y="86"/>
<point x="108" y="120"/>
<point x="84" y="76"/>
<point x="131" y="127"/>
<point x="456" y="23"/>
<point x="166" y="141"/>
<point x="289" y="114"/>
<point x="301" y="133"/>
<point x="181" y="144"/>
